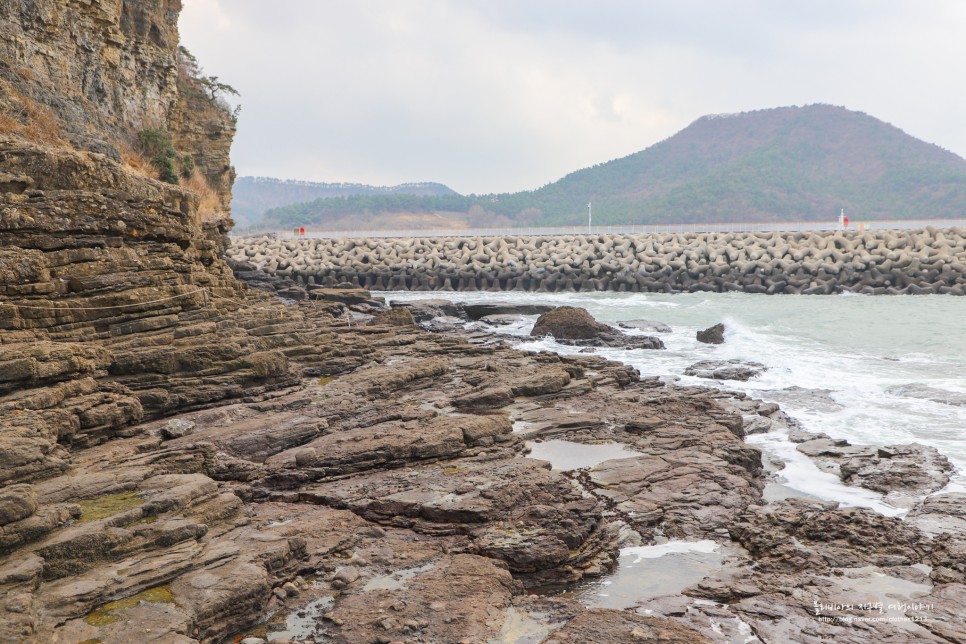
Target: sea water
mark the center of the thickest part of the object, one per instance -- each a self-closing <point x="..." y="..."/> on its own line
<point x="874" y="370"/>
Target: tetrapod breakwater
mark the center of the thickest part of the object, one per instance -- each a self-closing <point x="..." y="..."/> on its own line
<point x="876" y="262"/>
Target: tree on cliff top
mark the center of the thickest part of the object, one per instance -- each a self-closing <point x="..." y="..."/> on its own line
<point x="210" y="86"/>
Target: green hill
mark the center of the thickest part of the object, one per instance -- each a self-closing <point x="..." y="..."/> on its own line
<point x="252" y="196"/>
<point x="789" y="163"/>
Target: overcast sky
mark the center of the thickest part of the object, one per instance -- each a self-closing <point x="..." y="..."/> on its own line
<point x="506" y="95"/>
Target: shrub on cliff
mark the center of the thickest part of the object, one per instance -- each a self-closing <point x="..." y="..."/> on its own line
<point x="156" y="146"/>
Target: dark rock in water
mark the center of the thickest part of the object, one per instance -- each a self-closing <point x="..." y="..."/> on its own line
<point x="932" y="394"/>
<point x="617" y="341"/>
<point x="501" y="319"/>
<point x="177" y="428"/>
<point x="576" y="327"/>
<point x="425" y="310"/>
<point x="645" y="325"/>
<point x="726" y="369"/>
<point x="400" y="317"/>
<point x="712" y="335"/>
<point x="477" y="311"/>
<point x="569" y="323"/>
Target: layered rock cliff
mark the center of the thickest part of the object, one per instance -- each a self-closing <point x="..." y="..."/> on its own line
<point x="95" y="256"/>
<point x="93" y="74"/>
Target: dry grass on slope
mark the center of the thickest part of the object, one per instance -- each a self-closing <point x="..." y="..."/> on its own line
<point x="26" y="117"/>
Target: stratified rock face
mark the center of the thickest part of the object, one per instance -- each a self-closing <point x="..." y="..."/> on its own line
<point x="103" y="67"/>
<point x="95" y="73"/>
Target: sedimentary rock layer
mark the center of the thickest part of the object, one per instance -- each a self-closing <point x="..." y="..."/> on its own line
<point x="870" y="262"/>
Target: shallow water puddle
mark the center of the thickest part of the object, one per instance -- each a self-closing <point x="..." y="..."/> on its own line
<point x="396" y="580"/>
<point x="301" y="623"/>
<point x="520" y="627"/>
<point x="646" y="572"/>
<point x="567" y="455"/>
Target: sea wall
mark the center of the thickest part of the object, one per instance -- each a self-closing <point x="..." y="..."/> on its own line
<point x="870" y="262"/>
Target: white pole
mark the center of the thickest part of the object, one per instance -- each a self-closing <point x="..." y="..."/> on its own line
<point x="590" y="216"/>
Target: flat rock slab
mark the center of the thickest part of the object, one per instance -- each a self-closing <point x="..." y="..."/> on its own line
<point x="425" y="310"/>
<point x="726" y="370"/>
<point x="693" y="495"/>
<point x="460" y="598"/>
<point x="341" y="295"/>
<point x="940" y="513"/>
<point x="942" y="612"/>
<point x="912" y="469"/>
<point x="604" y="626"/>
<point x="516" y="510"/>
<point x="479" y="311"/>
<point x="390" y="444"/>
<point x="925" y="392"/>
<point x="502" y="319"/>
<point x="798" y="534"/>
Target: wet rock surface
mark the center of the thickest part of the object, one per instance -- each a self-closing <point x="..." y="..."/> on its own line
<point x="726" y="369"/>
<point x="712" y="335"/>
<point x="576" y="327"/>
<point x="909" y="471"/>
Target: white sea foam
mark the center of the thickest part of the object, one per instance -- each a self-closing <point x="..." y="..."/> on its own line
<point x="671" y="547"/>
<point x="801" y="474"/>
<point x="857" y="347"/>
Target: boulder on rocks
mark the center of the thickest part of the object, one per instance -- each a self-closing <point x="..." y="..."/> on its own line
<point x="726" y="369"/>
<point x="569" y="323"/>
<point x="712" y="335"/>
<point x="575" y="326"/>
<point x="177" y="428"/>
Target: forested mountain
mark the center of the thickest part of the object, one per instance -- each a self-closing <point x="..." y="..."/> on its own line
<point x="252" y="196"/>
<point x="790" y="163"/>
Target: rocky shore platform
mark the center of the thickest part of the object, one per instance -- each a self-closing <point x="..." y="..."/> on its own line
<point x="357" y="478"/>
<point x="870" y="262"/>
